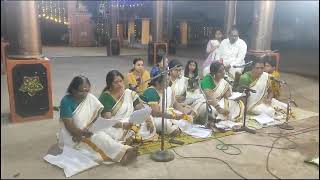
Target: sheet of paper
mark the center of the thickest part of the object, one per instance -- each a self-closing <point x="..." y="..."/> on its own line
<point x="227" y="125"/>
<point x="139" y="116"/>
<point x="263" y="119"/>
<point x="102" y="123"/>
<point x="199" y="132"/>
<point x="235" y="95"/>
<point x="194" y="130"/>
<point x="71" y="161"/>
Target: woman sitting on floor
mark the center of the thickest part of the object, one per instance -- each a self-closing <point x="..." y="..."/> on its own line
<point x="217" y="91"/>
<point x="137" y="76"/>
<point x="180" y="85"/>
<point x="78" y="110"/>
<point x="153" y="97"/>
<point x="119" y="103"/>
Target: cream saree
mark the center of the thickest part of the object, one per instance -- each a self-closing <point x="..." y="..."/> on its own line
<point x="170" y="125"/>
<point x="236" y="108"/>
<point x="122" y="110"/>
<point x="180" y="88"/>
<point x="100" y="146"/>
<point x="255" y="100"/>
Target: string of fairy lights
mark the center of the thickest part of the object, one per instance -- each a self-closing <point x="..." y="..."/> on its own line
<point x="55" y="11"/>
<point x="103" y="18"/>
<point x="127" y="3"/>
<point x="102" y="22"/>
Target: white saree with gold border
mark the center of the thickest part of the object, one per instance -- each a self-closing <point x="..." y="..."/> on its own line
<point x="101" y="146"/>
<point x="180" y="88"/>
<point x="123" y="110"/>
<point x="170" y="125"/>
<point x="255" y="100"/>
<point x="235" y="108"/>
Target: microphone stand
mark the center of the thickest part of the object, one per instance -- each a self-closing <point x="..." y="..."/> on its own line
<point x="163" y="155"/>
<point x="285" y="125"/>
<point x="208" y="108"/>
<point x="244" y="128"/>
<point x="158" y="75"/>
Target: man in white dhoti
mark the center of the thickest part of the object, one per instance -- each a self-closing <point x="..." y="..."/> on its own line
<point x="232" y="52"/>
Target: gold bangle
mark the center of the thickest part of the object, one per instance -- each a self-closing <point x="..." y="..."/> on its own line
<point x="173" y="116"/>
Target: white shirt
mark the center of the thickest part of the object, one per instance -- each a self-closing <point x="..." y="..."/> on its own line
<point x="232" y="54"/>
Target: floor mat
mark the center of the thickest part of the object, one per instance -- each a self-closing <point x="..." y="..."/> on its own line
<point x="148" y="147"/>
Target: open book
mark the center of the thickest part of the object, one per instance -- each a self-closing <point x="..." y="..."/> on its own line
<point x="137" y="117"/>
<point x="102" y="123"/>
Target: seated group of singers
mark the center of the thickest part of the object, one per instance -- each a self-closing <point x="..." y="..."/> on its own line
<point x="187" y="99"/>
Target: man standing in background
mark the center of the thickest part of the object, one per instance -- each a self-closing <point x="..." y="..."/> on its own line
<point x="232" y="52"/>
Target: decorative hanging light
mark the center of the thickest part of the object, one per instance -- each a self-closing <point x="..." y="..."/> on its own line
<point x="53" y="11"/>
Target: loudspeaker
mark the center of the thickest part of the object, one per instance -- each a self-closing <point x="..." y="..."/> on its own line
<point x="115" y="47"/>
<point x="156" y="51"/>
<point x="29" y="85"/>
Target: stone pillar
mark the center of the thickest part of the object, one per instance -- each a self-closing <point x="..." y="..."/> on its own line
<point x="114" y="18"/>
<point x="28" y="72"/>
<point x="120" y="32"/>
<point x="230" y="16"/>
<point x="114" y="42"/>
<point x="23" y="30"/>
<point x="145" y="31"/>
<point x="170" y="19"/>
<point x="262" y="25"/>
<point x="157" y="28"/>
<point x="183" y="33"/>
<point x="130" y="29"/>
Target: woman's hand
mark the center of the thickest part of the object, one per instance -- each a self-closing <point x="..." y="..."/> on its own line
<point x="86" y="133"/>
<point x="118" y="125"/>
<point x="179" y="116"/>
<point x="126" y="125"/>
<point x="76" y="138"/>
<point x="223" y="111"/>
<point x="267" y="101"/>
<point x="227" y="94"/>
<point x="149" y="125"/>
<point x="188" y="111"/>
<point x="180" y="99"/>
<point x="227" y="67"/>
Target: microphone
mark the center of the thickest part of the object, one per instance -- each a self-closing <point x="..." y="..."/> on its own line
<point x="226" y="79"/>
<point x="277" y="80"/>
<point x="248" y="89"/>
<point x="161" y="73"/>
<point x="243" y="65"/>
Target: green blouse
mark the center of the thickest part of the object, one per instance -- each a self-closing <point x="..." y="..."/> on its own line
<point x="150" y="96"/>
<point x="245" y="80"/>
<point x="107" y="101"/>
<point x="207" y="82"/>
<point x="67" y="106"/>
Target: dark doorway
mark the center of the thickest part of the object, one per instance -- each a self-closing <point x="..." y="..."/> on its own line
<point x="53" y="33"/>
